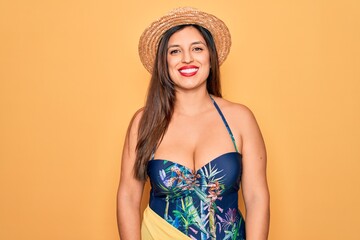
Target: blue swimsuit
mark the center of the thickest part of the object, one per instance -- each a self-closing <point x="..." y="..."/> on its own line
<point x="201" y="204"/>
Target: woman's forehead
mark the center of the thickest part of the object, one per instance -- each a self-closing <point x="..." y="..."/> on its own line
<point x="187" y="35"/>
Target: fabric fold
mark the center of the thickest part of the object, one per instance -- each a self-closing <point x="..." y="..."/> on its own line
<point x="154" y="227"/>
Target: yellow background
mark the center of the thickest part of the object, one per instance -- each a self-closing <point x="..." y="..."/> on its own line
<point x="70" y="80"/>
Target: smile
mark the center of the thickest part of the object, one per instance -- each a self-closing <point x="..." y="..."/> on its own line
<point x="188" y="71"/>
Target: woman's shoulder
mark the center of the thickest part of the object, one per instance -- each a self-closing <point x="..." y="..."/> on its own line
<point x="135" y="120"/>
<point x="237" y="110"/>
<point x="240" y="117"/>
<point x="138" y="115"/>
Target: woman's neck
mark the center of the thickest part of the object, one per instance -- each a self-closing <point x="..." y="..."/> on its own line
<point x="192" y="103"/>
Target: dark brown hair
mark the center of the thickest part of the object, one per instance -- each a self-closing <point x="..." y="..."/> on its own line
<point x="160" y="101"/>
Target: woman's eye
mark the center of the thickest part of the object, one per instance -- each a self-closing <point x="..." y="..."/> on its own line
<point x="174" y="51"/>
<point x="198" y="49"/>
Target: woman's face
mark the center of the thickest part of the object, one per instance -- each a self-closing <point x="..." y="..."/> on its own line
<point x="188" y="59"/>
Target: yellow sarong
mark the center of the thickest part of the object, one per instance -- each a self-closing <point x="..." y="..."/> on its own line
<point x="154" y="227"/>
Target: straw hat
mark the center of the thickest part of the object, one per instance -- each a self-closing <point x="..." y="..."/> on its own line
<point x="150" y="38"/>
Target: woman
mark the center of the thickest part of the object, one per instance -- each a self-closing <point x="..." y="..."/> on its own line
<point x="194" y="146"/>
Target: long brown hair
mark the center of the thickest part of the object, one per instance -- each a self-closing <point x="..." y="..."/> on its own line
<point x="159" y="106"/>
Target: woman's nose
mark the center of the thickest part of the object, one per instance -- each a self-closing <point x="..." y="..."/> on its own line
<point x="187" y="57"/>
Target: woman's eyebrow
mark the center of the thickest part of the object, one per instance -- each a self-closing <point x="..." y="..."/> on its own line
<point x="193" y="43"/>
<point x="174" y="45"/>
<point x="198" y="42"/>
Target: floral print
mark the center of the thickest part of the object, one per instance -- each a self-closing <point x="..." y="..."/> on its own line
<point x="201" y="204"/>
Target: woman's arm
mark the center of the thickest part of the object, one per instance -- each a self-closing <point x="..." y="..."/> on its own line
<point x="254" y="183"/>
<point x="130" y="189"/>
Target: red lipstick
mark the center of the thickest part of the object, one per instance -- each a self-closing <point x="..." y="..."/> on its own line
<point x="188" y="70"/>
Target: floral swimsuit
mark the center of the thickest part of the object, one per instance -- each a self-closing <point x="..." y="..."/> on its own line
<point x="202" y="204"/>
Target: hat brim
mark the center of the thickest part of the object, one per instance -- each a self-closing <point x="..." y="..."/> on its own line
<point x="150" y="38"/>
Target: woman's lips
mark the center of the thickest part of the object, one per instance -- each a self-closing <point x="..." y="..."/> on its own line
<point x="188" y="71"/>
